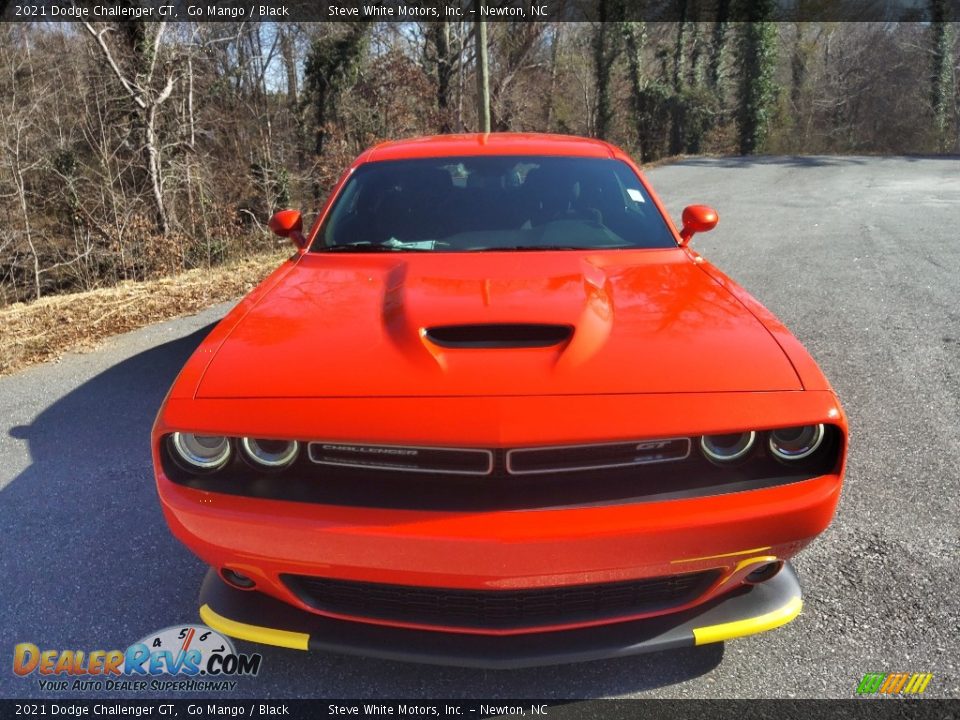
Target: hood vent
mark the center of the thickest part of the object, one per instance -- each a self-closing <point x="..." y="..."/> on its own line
<point x="509" y="335"/>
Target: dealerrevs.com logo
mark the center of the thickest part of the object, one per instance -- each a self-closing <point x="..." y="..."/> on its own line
<point x="200" y="659"/>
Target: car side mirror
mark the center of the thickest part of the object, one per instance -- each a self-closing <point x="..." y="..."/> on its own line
<point x="289" y="224"/>
<point x="697" y="218"/>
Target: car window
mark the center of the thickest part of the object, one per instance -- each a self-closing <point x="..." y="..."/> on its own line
<point x="492" y="203"/>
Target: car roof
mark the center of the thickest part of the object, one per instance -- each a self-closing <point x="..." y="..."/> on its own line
<point x="490" y="144"/>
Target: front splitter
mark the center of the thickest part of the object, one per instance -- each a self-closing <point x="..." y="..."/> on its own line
<point x="260" y="618"/>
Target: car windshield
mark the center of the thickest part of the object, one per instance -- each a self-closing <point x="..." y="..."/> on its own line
<point x="472" y="204"/>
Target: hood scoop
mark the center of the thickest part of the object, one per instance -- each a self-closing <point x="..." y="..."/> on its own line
<point x="498" y="335"/>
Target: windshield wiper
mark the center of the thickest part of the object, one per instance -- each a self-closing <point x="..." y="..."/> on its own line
<point x="533" y="248"/>
<point x="369" y="248"/>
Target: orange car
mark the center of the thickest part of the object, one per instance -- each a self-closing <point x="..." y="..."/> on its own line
<point x="496" y="412"/>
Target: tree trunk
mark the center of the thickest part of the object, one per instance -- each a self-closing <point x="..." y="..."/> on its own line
<point x="554" y="57"/>
<point x="331" y="66"/>
<point x="679" y="48"/>
<point x="679" y="63"/>
<point x="289" y="55"/>
<point x="28" y="232"/>
<point x="757" y="59"/>
<point x="483" y="76"/>
<point x="942" y="90"/>
<point x="605" y="51"/>
<point x="462" y="31"/>
<point x="153" y="168"/>
<point x="146" y="100"/>
<point x="697" y="55"/>
<point x="438" y="35"/>
<point x="635" y="35"/>
<point x="718" y="48"/>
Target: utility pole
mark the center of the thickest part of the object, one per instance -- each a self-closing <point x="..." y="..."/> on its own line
<point x="483" y="72"/>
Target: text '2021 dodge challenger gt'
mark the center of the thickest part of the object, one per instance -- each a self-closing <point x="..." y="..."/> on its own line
<point x="496" y="412"/>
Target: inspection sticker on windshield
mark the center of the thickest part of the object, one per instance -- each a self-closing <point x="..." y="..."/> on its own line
<point x="415" y="244"/>
<point x="635" y="195"/>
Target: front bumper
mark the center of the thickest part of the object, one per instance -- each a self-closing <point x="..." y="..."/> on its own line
<point x="259" y="618"/>
<point x="266" y="540"/>
<point x="489" y="550"/>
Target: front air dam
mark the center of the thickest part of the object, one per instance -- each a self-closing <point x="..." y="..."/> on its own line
<point x="259" y="618"/>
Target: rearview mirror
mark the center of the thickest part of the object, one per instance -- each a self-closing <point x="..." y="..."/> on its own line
<point x="289" y="224"/>
<point x="697" y="218"/>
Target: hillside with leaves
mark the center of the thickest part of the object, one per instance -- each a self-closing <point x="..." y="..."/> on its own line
<point x="142" y="150"/>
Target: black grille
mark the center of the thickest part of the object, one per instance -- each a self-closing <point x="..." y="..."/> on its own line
<point x="595" y="456"/>
<point x="363" y="485"/>
<point x="452" y="461"/>
<point x="498" y="609"/>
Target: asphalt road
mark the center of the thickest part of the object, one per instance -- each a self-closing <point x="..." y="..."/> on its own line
<point x="857" y="255"/>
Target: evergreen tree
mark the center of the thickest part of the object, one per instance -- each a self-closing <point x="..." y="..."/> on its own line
<point x="941" y="76"/>
<point x="331" y="68"/>
<point x="757" y="61"/>
<point x="606" y="48"/>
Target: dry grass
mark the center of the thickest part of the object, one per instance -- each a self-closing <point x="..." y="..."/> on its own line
<point x="43" y="330"/>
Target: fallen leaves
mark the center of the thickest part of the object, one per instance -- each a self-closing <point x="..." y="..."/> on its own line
<point x="43" y="330"/>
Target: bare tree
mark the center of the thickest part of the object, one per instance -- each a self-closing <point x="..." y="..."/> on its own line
<point x="147" y="95"/>
<point x="20" y="117"/>
<point x="147" y="148"/>
<point x="442" y="55"/>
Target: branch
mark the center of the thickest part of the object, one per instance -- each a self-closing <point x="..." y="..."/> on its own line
<point x="255" y="219"/>
<point x="66" y="263"/>
<point x="156" y="49"/>
<point x="165" y="93"/>
<point x="132" y="89"/>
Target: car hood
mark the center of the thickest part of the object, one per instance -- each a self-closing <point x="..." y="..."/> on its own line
<point x="645" y="321"/>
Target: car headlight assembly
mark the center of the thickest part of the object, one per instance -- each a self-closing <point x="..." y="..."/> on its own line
<point x="200" y="453"/>
<point x="269" y="454"/>
<point x="728" y="448"/>
<point x="788" y="445"/>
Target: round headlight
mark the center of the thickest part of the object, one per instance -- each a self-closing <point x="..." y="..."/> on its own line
<point x="273" y="454"/>
<point x="200" y="452"/>
<point x="796" y="443"/>
<point x="724" y="449"/>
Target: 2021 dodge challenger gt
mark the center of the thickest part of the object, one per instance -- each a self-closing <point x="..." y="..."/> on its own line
<point x="496" y="412"/>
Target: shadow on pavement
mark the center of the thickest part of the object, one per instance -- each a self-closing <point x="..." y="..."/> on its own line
<point x="88" y="562"/>
<point x="748" y="161"/>
<point x="800" y="161"/>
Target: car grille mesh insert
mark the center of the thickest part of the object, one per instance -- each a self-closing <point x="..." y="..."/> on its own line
<point x="449" y="461"/>
<point x="518" y="461"/>
<point x="524" y="461"/>
<point x="498" y="609"/>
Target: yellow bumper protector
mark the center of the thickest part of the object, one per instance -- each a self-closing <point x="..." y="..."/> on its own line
<point x="750" y="626"/>
<point x="254" y="633"/>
